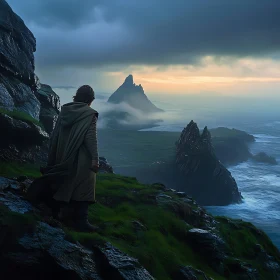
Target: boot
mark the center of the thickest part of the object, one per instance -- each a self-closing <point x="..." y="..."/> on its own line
<point x="80" y="217"/>
<point x="54" y="205"/>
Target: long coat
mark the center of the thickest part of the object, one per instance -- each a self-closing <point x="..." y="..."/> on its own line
<point x="73" y="148"/>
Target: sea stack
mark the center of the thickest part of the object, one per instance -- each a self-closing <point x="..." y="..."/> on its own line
<point x="205" y="178"/>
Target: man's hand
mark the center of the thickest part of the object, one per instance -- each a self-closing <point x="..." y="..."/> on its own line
<point x="94" y="166"/>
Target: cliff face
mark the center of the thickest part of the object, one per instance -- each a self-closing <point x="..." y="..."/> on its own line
<point x="133" y="95"/>
<point x="204" y="176"/>
<point x="50" y="106"/>
<point x="28" y="110"/>
<point x="17" y="79"/>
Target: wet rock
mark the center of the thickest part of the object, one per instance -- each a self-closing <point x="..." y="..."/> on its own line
<point x="203" y="175"/>
<point x="50" y="106"/>
<point x="46" y="254"/>
<point x="15" y="203"/>
<point x="163" y="196"/>
<point x="189" y="273"/>
<point x="5" y="183"/>
<point x="21" y="133"/>
<point x="17" y="78"/>
<point x="210" y="245"/>
<point x="181" y="194"/>
<point x="269" y="262"/>
<point x="241" y="270"/>
<point x="114" y="264"/>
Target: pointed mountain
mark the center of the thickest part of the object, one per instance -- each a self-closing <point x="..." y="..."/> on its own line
<point x="133" y="95"/>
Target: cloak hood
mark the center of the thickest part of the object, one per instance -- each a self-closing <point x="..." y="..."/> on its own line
<point x="75" y="112"/>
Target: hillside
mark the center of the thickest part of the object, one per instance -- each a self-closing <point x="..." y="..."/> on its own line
<point x="170" y="235"/>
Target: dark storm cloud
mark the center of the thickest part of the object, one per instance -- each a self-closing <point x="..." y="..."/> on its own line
<point x="92" y="33"/>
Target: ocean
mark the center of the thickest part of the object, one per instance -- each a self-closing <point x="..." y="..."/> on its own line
<point x="258" y="182"/>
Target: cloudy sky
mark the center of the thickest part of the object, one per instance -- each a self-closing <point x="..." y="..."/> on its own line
<point x="179" y="46"/>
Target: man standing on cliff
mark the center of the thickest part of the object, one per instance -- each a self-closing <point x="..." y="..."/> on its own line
<point x="73" y="161"/>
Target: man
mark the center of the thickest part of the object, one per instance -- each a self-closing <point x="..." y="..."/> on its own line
<point x="70" y="175"/>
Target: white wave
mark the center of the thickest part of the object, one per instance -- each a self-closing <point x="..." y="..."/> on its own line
<point x="265" y="138"/>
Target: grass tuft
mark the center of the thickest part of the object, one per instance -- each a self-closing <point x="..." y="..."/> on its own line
<point x="22" y="116"/>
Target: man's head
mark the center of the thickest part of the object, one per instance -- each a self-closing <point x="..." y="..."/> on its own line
<point x="84" y="94"/>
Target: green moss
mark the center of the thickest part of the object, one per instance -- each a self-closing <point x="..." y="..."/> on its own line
<point x="19" y="115"/>
<point x="13" y="169"/>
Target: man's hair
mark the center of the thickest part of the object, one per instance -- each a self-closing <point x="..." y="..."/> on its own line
<point x="84" y="94"/>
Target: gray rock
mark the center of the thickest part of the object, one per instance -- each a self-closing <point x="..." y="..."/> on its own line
<point x="181" y="194"/>
<point x="210" y="245"/>
<point x="189" y="273"/>
<point x="17" y="78"/>
<point x="47" y="249"/>
<point x="20" y="132"/>
<point x="117" y="265"/>
<point x="50" y="106"/>
<point x="5" y="183"/>
<point x="15" y="203"/>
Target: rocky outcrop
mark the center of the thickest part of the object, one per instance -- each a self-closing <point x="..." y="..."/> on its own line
<point x="50" y="106"/>
<point x="41" y="250"/>
<point x="231" y="151"/>
<point x="205" y="178"/>
<point x="264" y="158"/>
<point x="133" y="95"/>
<point x="104" y="166"/>
<point x="22" y="141"/>
<point x="17" y="78"/>
<point x="24" y="138"/>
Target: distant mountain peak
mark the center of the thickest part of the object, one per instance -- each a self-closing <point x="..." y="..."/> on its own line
<point x="133" y="95"/>
<point x="129" y="80"/>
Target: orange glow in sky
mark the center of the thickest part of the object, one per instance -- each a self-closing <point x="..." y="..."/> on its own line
<point x="223" y="75"/>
